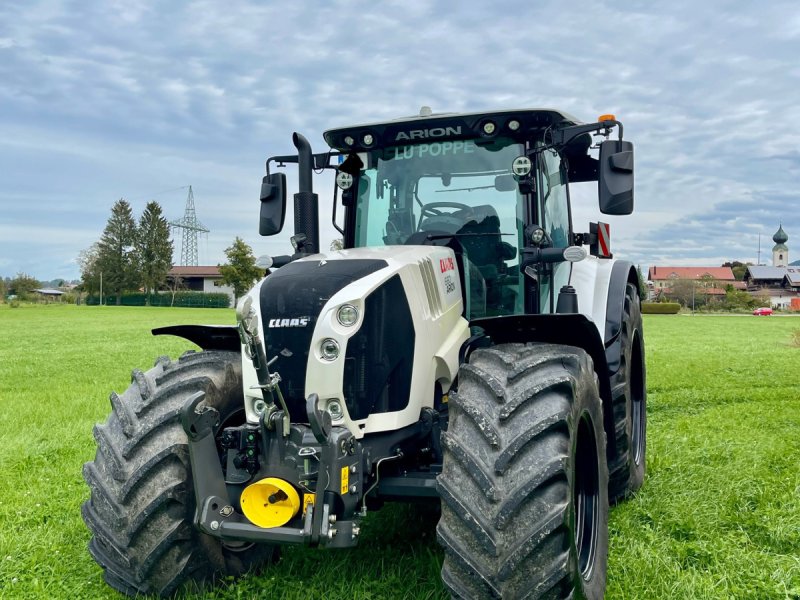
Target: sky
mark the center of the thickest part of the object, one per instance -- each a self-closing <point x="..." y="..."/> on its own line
<point x="139" y="99"/>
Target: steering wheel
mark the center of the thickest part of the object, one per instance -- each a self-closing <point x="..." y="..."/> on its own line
<point x="433" y="209"/>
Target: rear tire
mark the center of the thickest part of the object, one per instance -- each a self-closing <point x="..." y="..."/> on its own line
<point x="524" y="483"/>
<point x="141" y="507"/>
<point x="627" y="467"/>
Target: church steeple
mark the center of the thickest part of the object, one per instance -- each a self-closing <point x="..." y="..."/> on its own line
<point x="780" y="252"/>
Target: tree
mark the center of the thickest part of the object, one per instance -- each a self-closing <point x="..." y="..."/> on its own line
<point x="153" y="249"/>
<point x="241" y="271"/>
<point x="90" y="269"/>
<point x="689" y="292"/>
<point x="116" y="251"/>
<point x="739" y="268"/>
<point x="2" y="289"/>
<point x="337" y="244"/>
<point x="23" y="285"/>
<point x="642" y="285"/>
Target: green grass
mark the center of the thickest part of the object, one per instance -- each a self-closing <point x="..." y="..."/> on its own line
<point x="718" y="516"/>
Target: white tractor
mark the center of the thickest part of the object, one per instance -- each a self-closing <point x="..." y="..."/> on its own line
<point x="467" y="346"/>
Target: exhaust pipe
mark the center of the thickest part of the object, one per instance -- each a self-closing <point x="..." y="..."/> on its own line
<point x="306" y="202"/>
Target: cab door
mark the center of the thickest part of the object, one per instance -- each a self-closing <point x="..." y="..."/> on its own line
<point x="557" y="222"/>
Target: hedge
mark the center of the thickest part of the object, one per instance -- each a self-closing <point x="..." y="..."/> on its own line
<point x="182" y="299"/>
<point x="660" y="308"/>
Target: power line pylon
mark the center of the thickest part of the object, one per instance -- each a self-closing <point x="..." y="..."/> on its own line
<point x="191" y="226"/>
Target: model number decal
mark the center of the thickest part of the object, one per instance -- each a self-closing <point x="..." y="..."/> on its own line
<point x="298" y="322"/>
<point x="449" y="286"/>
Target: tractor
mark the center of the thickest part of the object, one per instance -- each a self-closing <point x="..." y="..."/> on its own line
<point x="467" y="346"/>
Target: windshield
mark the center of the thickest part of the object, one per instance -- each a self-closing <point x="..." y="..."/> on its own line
<point x="461" y="188"/>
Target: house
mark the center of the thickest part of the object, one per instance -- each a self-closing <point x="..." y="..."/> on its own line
<point x="199" y="279"/>
<point x="713" y="280"/>
<point x="781" y="284"/>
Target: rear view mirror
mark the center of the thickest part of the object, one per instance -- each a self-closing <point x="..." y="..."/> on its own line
<point x="615" y="177"/>
<point x="273" y="204"/>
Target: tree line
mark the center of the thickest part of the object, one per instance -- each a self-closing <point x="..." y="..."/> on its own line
<point x="129" y="255"/>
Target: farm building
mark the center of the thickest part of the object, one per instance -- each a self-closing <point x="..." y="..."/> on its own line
<point x="781" y="284"/>
<point x="713" y="280"/>
<point x="199" y="279"/>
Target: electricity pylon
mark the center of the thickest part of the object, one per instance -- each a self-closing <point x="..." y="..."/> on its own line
<point x="191" y="226"/>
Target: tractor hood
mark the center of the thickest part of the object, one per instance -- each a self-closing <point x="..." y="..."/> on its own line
<point x="347" y="325"/>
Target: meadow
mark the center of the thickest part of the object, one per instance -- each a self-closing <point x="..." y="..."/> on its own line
<point x="718" y="515"/>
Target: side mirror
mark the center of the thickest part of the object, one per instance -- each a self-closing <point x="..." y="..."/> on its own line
<point x="273" y="204"/>
<point x="615" y="177"/>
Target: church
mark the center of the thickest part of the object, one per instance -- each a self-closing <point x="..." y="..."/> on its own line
<point x="781" y="281"/>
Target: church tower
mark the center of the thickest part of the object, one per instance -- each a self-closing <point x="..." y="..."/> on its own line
<point x="780" y="253"/>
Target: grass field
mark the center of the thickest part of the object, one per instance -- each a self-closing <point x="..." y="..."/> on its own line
<point x="718" y="516"/>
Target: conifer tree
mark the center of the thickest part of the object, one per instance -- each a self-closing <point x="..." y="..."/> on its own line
<point x="153" y="249"/>
<point x="116" y="251"/>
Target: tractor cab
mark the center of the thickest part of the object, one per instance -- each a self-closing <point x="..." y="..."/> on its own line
<point x="491" y="186"/>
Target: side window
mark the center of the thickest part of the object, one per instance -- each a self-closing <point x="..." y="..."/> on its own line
<point x="554" y="199"/>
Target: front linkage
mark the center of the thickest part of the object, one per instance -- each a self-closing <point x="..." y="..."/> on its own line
<point x="326" y="462"/>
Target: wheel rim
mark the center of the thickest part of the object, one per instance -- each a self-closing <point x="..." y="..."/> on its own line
<point x="637" y="403"/>
<point x="586" y="498"/>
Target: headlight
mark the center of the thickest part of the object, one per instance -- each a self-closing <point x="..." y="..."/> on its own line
<point x="347" y="315"/>
<point x="329" y="349"/>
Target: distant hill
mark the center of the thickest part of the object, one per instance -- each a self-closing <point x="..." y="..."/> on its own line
<point x="795" y="264"/>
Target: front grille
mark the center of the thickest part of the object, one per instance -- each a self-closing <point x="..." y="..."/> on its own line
<point x="380" y="357"/>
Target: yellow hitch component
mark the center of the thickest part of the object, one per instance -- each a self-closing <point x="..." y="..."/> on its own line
<point x="271" y="502"/>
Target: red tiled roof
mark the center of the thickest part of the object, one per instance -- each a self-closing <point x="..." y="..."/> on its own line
<point x="666" y="273"/>
<point x="186" y="271"/>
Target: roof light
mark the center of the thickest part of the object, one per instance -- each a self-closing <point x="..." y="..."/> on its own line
<point x="489" y="128"/>
<point x="521" y="166"/>
<point x="513" y="125"/>
<point x="349" y="140"/>
<point x="344" y="180"/>
<point x="537" y="235"/>
<point x="608" y="117"/>
<point x="368" y="139"/>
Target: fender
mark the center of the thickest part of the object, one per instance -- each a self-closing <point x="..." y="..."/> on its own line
<point x="621" y="273"/>
<point x="208" y="337"/>
<point x="565" y="329"/>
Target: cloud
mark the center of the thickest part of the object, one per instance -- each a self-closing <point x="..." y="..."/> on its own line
<point x="126" y="97"/>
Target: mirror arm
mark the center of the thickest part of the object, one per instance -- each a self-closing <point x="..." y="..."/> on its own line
<point x="561" y="137"/>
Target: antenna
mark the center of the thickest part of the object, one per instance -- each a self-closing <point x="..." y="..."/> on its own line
<point x="758" y="262"/>
<point x="190" y="226"/>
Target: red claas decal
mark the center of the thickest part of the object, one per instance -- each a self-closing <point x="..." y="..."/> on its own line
<point x="446" y="264"/>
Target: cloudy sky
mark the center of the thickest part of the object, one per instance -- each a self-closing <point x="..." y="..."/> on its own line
<point x="139" y="99"/>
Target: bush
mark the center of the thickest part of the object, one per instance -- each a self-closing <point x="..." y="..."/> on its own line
<point x="182" y="299"/>
<point x="660" y="308"/>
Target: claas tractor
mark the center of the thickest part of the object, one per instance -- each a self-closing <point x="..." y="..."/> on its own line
<point x="467" y="346"/>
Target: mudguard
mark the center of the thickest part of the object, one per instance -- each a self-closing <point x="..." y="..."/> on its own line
<point x="621" y="273"/>
<point x="208" y="337"/>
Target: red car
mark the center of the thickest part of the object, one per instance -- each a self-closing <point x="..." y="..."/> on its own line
<point x="762" y="312"/>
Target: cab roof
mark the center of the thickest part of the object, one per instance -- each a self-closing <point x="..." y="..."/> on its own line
<point x="513" y="123"/>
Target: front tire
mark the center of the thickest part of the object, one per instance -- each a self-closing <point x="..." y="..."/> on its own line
<point x="141" y="507"/>
<point x="524" y="482"/>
